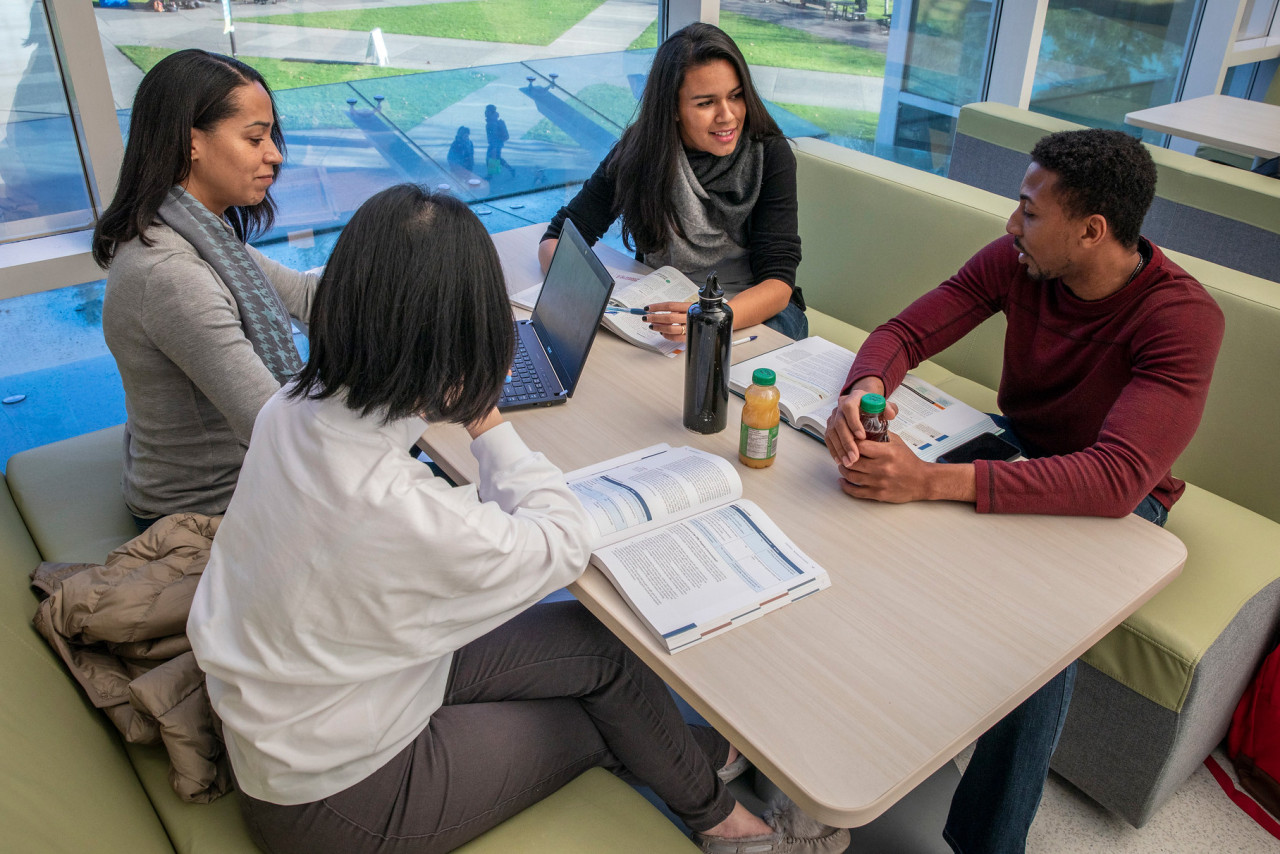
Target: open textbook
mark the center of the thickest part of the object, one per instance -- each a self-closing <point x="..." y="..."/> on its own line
<point x="812" y="372"/>
<point x="632" y="290"/>
<point x="690" y="556"/>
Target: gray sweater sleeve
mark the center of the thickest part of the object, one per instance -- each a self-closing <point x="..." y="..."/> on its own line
<point x="296" y="289"/>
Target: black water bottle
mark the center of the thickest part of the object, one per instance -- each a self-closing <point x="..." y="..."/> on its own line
<point x="708" y="333"/>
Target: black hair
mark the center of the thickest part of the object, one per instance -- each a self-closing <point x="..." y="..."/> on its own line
<point x="411" y="315"/>
<point x="645" y="160"/>
<point x="1101" y="172"/>
<point x="189" y="89"/>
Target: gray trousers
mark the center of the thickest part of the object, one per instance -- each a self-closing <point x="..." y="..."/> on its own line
<point x="528" y="708"/>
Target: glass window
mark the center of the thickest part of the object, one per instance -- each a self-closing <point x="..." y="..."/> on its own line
<point x="946" y="53"/>
<point x="1100" y="59"/>
<point x="507" y="103"/>
<point x="938" y="62"/>
<point x="1255" y="22"/>
<point x="819" y="64"/>
<point x="43" y="189"/>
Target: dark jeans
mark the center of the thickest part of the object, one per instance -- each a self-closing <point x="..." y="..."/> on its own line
<point x="791" y="322"/>
<point x="1000" y="791"/>
<point x="528" y="707"/>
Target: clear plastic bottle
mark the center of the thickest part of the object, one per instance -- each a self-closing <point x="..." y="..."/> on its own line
<point x="758" y="441"/>
<point x="871" y="411"/>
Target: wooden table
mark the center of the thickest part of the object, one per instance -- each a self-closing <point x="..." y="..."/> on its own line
<point x="1249" y="127"/>
<point x="938" y="621"/>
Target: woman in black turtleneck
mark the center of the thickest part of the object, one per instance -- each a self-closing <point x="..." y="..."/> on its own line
<point x="704" y="181"/>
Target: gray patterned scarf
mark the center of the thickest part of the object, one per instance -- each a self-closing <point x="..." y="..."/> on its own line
<point x="713" y="199"/>
<point x="262" y="312"/>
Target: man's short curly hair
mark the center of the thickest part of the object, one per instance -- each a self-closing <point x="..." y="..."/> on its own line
<point x="1101" y="172"/>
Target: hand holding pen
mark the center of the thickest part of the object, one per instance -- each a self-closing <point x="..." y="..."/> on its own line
<point x="665" y="318"/>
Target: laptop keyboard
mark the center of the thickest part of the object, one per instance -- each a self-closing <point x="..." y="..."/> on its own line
<point x="524" y="382"/>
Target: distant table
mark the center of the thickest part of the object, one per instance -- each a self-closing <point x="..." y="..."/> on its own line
<point x="1249" y="127"/>
<point x="849" y="10"/>
<point x="938" y="622"/>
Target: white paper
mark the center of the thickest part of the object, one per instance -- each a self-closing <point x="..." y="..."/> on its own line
<point x="702" y="575"/>
<point x="642" y="491"/>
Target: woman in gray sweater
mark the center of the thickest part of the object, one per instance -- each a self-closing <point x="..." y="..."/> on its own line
<point x="197" y="320"/>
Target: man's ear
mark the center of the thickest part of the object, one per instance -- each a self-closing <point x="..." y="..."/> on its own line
<point x="1094" y="230"/>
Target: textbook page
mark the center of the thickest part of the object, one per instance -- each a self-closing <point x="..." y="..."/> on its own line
<point x="665" y="284"/>
<point x="528" y="297"/>
<point x="643" y="490"/>
<point x="931" y="421"/>
<point x="810" y="374"/>
<point x="701" y="576"/>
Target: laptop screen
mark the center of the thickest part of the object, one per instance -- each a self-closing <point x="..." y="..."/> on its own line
<point x="572" y="301"/>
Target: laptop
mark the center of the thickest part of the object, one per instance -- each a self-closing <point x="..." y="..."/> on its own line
<point x="552" y="345"/>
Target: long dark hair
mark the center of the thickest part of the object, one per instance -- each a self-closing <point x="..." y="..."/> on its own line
<point x="185" y="90"/>
<point x="411" y="315"/>
<point x="646" y="157"/>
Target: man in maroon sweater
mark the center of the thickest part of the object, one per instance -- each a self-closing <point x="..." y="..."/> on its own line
<point x="1107" y="360"/>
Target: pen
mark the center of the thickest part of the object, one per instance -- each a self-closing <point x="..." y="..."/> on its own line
<point x="616" y="310"/>
<point x="746" y="340"/>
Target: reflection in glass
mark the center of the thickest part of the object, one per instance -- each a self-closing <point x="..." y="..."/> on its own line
<point x="947" y="57"/>
<point x="505" y="102"/>
<point x="1100" y="60"/>
<point x="942" y="49"/>
<point x="42" y="181"/>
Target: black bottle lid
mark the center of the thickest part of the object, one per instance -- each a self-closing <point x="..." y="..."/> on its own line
<point x="711" y="290"/>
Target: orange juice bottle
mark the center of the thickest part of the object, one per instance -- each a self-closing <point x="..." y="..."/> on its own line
<point x="758" y="441"/>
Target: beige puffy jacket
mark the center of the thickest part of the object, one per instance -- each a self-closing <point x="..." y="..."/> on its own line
<point x="121" y="629"/>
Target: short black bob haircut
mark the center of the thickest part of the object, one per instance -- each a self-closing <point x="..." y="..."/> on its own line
<point x="411" y="315"/>
<point x="1101" y="172"/>
<point x="185" y="90"/>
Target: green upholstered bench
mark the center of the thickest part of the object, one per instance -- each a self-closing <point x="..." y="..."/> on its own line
<point x="67" y="783"/>
<point x="1155" y="695"/>
<point x="1214" y="212"/>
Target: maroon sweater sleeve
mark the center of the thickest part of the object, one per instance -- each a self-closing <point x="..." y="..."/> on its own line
<point x="937" y="320"/>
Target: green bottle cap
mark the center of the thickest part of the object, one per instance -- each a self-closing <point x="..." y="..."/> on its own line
<point x="872" y="404"/>
<point x="763" y="376"/>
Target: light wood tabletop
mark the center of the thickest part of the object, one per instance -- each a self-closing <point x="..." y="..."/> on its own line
<point x="938" y="621"/>
<point x="1236" y="124"/>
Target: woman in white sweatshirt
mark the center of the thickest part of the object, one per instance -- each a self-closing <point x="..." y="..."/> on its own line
<point x="383" y="681"/>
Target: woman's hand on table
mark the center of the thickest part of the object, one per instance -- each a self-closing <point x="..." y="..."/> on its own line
<point x="668" y="319"/>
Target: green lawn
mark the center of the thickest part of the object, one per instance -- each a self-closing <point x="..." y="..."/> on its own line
<point x="854" y="124"/>
<point x="763" y="43"/>
<point x="537" y="22"/>
<point x="409" y="101"/>
<point x="279" y="73"/>
<point x="305" y="103"/>
<point x="647" y="39"/>
<point x="614" y="102"/>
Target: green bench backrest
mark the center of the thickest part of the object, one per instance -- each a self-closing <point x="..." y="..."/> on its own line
<point x="50" y="735"/>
